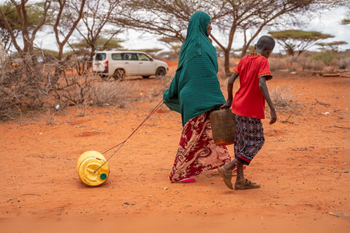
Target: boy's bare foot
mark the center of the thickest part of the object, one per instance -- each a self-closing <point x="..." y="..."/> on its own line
<point x="246" y="184"/>
<point x="227" y="176"/>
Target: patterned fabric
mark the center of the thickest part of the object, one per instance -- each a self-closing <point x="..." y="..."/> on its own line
<point x="254" y="54"/>
<point x="195" y="88"/>
<point x="248" y="100"/>
<point x="197" y="151"/>
<point x="249" y="138"/>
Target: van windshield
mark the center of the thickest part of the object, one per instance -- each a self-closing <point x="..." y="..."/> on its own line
<point x="100" y="56"/>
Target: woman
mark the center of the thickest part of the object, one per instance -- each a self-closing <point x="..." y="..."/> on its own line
<point x="195" y="92"/>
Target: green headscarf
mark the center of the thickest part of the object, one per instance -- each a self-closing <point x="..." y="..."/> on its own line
<point x="195" y="88"/>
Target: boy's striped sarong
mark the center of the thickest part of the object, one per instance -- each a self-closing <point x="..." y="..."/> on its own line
<point x="249" y="138"/>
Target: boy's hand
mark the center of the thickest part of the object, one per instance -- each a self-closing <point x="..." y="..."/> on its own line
<point x="228" y="104"/>
<point x="273" y="116"/>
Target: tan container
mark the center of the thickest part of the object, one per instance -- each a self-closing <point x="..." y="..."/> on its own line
<point x="87" y="165"/>
<point x="223" y="125"/>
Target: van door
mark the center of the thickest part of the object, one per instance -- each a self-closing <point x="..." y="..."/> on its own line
<point x="99" y="64"/>
<point x="147" y="66"/>
<point x="131" y="63"/>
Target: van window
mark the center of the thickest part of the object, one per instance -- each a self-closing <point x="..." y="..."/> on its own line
<point x="116" y="56"/>
<point x="100" y="56"/>
<point x="127" y="56"/>
<point x="144" y="57"/>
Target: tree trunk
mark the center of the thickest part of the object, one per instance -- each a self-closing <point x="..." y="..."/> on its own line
<point x="244" y="50"/>
<point x="2" y="61"/>
<point x="227" y="62"/>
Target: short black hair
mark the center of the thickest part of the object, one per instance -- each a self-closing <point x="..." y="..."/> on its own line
<point x="265" y="43"/>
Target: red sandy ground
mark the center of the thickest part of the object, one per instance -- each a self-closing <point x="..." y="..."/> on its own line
<point x="303" y="168"/>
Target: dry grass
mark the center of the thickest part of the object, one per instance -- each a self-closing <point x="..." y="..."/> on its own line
<point x="281" y="96"/>
<point x="112" y="93"/>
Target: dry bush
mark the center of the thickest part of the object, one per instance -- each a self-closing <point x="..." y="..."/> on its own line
<point x="72" y="88"/>
<point x="277" y="64"/>
<point x="112" y="93"/>
<point x="313" y="65"/>
<point x="344" y="63"/>
<point x="23" y="88"/>
<point x="158" y="92"/>
<point x="28" y="85"/>
<point x="292" y="63"/>
<point x="281" y="96"/>
<point x="307" y="63"/>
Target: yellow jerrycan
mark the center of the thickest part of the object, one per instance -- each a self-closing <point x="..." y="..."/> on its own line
<point x="223" y="125"/>
<point x="87" y="165"/>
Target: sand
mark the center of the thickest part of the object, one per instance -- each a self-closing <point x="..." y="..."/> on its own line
<point x="303" y="169"/>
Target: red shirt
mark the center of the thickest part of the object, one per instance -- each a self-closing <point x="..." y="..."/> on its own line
<point x="248" y="100"/>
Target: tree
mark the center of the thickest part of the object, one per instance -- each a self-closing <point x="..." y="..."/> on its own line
<point x="346" y="20"/>
<point x="170" y="18"/>
<point x="2" y="61"/>
<point x="66" y="21"/>
<point x="96" y="17"/>
<point x="172" y="42"/>
<point x="334" y="46"/>
<point x="68" y="15"/>
<point x="25" y="19"/>
<point x="298" y="40"/>
<point x="82" y="47"/>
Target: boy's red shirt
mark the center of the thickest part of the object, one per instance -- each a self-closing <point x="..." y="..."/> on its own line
<point x="248" y="100"/>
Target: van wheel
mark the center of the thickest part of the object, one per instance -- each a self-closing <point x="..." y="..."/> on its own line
<point x="160" y="72"/>
<point x="145" y="76"/>
<point x="119" y="74"/>
<point x="104" y="77"/>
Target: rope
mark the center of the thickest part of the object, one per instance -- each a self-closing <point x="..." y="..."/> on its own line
<point x="123" y="142"/>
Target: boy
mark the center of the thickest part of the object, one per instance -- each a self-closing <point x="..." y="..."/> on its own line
<point x="249" y="106"/>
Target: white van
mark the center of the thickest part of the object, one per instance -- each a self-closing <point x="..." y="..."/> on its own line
<point x="118" y="64"/>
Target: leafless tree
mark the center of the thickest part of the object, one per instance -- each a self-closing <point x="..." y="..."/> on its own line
<point x="66" y="22"/>
<point x="96" y="17"/>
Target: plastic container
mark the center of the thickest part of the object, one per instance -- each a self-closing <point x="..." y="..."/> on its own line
<point x="223" y="125"/>
<point x="88" y="163"/>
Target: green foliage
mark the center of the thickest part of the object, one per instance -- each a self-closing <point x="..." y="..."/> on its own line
<point x="34" y="13"/>
<point x="346" y="20"/>
<point x="334" y="46"/>
<point x="105" y="44"/>
<point x="298" y="40"/>
<point x="325" y="56"/>
<point x="101" y="44"/>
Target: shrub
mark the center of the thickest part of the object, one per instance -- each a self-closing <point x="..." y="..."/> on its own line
<point x="111" y="93"/>
<point x="326" y="57"/>
<point x="277" y="64"/>
<point x="281" y="96"/>
<point x="344" y="63"/>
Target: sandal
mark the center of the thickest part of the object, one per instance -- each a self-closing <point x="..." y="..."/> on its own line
<point x="227" y="176"/>
<point x="247" y="184"/>
<point x="188" y="180"/>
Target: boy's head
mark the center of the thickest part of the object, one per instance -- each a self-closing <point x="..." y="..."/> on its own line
<point x="265" y="45"/>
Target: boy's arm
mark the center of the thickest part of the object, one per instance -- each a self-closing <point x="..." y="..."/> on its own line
<point x="230" y="83"/>
<point x="265" y="93"/>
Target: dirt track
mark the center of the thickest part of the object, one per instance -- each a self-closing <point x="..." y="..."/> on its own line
<point x="303" y="168"/>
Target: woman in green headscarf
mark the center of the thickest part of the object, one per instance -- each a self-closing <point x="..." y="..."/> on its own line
<point x="195" y="92"/>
